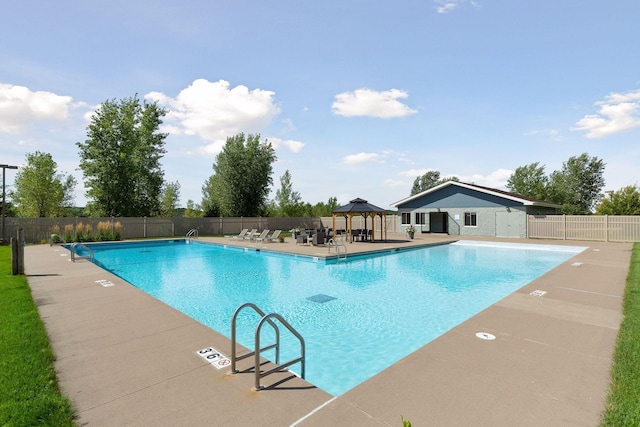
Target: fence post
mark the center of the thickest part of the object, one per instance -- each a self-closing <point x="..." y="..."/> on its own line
<point x="564" y="227"/>
<point x="144" y="227"/>
<point x="606" y="225"/>
<point x="17" y="253"/>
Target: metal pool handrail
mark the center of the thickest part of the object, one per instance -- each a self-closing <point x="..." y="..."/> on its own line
<point x="234" y="356"/>
<point x="192" y="234"/>
<point x="337" y="245"/>
<point x="266" y="318"/>
<point x="73" y="252"/>
<point x="278" y="367"/>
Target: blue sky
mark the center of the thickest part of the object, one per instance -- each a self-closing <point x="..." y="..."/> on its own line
<point x="358" y="97"/>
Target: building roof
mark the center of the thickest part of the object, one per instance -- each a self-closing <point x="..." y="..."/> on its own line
<point x="358" y="205"/>
<point x="526" y="201"/>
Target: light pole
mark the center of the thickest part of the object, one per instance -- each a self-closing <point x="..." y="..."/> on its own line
<point x="4" y="179"/>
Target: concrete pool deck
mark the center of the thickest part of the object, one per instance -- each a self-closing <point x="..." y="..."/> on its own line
<point x="125" y="358"/>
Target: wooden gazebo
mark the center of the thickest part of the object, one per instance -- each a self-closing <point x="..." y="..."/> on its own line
<point x="365" y="209"/>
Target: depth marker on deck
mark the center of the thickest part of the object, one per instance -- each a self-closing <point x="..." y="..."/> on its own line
<point x="214" y="357"/>
<point x="485" y="336"/>
<point x="105" y="283"/>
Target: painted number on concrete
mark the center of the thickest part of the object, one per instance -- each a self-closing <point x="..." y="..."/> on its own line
<point x="214" y="357"/>
<point x="105" y="283"/>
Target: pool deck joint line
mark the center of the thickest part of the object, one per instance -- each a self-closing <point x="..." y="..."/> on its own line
<point x="120" y="353"/>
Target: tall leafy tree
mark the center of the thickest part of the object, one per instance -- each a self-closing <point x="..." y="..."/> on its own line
<point x="429" y="180"/>
<point x="120" y="158"/>
<point x="40" y="191"/>
<point x="578" y="185"/>
<point x="169" y="197"/>
<point x="625" y="201"/>
<point x="193" y="210"/>
<point x="211" y="197"/>
<point x="244" y="168"/>
<point x="325" y="209"/>
<point x="288" y="201"/>
<point x="530" y="181"/>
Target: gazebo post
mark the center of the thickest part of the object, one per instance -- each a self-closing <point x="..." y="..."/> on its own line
<point x="335" y="235"/>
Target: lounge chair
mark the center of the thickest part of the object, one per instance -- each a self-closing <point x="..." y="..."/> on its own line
<point x="240" y="235"/>
<point x="271" y="238"/>
<point x="261" y="236"/>
<point x="249" y="235"/>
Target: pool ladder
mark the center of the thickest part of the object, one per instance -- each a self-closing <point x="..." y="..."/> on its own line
<point x="53" y="240"/>
<point x="265" y="318"/>
<point x="337" y="245"/>
<point x="74" y="256"/>
<point x="192" y="234"/>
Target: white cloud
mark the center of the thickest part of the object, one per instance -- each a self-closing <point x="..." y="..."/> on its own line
<point x="413" y="173"/>
<point x="213" y="111"/>
<point x="360" y="158"/>
<point x="446" y="6"/>
<point x="367" y="102"/>
<point x="291" y="144"/>
<point x="288" y="125"/>
<point x="617" y="113"/>
<point x="496" y="179"/>
<point x="19" y="107"/>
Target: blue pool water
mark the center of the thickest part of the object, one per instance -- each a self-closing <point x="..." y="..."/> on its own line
<point x="357" y="317"/>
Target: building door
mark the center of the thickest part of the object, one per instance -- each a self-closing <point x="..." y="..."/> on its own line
<point x="438" y="222"/>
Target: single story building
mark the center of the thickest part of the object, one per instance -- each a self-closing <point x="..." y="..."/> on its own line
<point x="458" y="208"/>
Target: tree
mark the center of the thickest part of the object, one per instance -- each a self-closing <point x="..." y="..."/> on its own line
<point x="40" y="191"/>
<point x="211" y="196"/>
<point x="625" y="201"/>
<point x="429" y="180"/>
<point x="325" y="209"/>
<point x="289" y="202"/>
<point x="120" y="158"/>
<point x="169" y="197"/>
<point x="529" y="181"/>
<point x="244" y="169"/>
<point x="193" y="210"/>
<point x="577" y="187"/>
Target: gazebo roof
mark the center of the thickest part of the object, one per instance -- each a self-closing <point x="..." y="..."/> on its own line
<point x="358" y="206"/>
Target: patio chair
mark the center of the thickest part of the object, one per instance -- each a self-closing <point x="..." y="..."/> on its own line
<point x="239" y="235"/>
<point x="262" y="235"/>
<point x="270" y="239"/>
<point x="318" y="238"/>
<point x="302" y="238"/>
<point x="249" y="235"/>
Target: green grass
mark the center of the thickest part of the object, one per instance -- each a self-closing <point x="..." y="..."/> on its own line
<point x="29" y="394"/>
<point x="623" y="401"/>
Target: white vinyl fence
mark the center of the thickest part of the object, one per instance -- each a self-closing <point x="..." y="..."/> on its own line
<point x="604" y="228"/>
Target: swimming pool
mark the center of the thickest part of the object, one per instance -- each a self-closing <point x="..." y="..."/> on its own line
<point x="357" y="317"/>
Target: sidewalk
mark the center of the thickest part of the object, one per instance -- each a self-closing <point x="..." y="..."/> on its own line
<point x="125" y="358"/>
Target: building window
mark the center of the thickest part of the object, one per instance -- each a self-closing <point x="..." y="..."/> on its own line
<point x="406" y="218"/>
<point x="421" y="218"/>
<point x="470" y="219"/>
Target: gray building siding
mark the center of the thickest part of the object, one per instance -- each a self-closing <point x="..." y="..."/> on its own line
<point x="495" y="216"/>
<point x="514" y="222"/>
